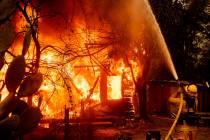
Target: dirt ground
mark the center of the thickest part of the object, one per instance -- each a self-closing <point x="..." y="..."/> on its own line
<point x="161" y="124"/>
<point x="129" y="130"/>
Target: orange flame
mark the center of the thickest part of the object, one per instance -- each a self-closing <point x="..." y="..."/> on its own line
<point x="114" y="87"/>
<point x="67" y="82"/>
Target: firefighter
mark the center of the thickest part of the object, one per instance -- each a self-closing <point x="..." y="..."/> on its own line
<point x="190" y="96"/>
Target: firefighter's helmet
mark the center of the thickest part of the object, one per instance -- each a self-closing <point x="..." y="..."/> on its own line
<point x="191" y="88"/>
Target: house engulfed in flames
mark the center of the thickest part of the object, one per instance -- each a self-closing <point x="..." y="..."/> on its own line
<point x="83" y="65"/>
<point x="92" y="77"/>
<point x="91" y="52"/>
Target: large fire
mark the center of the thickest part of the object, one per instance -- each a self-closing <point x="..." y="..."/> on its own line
<point x="72" y="67"/>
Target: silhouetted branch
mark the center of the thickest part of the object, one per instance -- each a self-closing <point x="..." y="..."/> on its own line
<point x="33" y="32"/>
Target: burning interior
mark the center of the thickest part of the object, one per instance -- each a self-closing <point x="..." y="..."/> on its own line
<point x="89" y="53"/>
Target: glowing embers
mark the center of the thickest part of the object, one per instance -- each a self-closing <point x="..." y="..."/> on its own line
<point x="114" y="87"/>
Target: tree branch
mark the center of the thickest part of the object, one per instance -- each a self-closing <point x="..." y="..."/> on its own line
<point x="33" y="32"/>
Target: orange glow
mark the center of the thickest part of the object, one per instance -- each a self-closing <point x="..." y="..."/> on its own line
<point x="20" y="22"/>
<point x="82" y="85"/>
<point x="72" y="78"/>
<point x="114" y="87"/>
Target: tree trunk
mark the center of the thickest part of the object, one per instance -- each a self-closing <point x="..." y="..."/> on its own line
<point x="141" y="90"/>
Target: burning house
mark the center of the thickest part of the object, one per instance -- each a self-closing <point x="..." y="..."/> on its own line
<point x="88" y="54"/>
